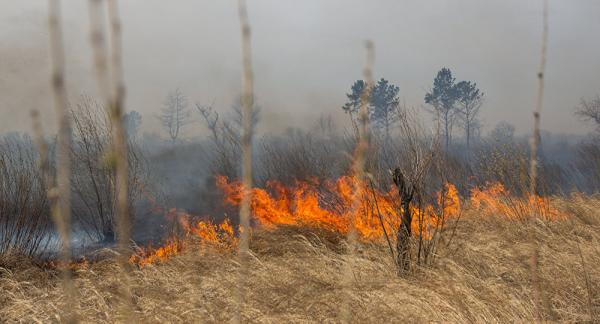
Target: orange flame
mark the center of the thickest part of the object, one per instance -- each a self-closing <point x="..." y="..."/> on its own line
<point x="327" y="205"/>
<point x="305" y="205"/>
<point x="495" y="199"/>
<point x="81" y="264"/>
<point x="206" y="233"/>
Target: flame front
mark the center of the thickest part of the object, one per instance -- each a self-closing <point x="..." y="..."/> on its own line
<point x="497" y="200"/>
<point x="204" y="233"/>
<point x="328" y="205"/>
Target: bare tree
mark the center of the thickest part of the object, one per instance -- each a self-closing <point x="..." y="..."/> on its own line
<point x="325" y="126"/>
<point x="175" y="114"/>
<point x="225" y="135"/>
<point x="225" y="142"/>
<point x="237" y="116"/>
<point x="132" y="122"/>
<point x="94" y="184"/>
<point x="25" y="220"/>
<point x="503" y="132"/>
<point x="589" y="110"/>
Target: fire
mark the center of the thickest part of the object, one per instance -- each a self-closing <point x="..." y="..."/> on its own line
<point x="495" y="199"/>
<point x="204" y="233"/>
<point x="328" y="205"/>
<point x="81" y="264"/>
<point x="149" y="255"/>
<point x="325" y="205"/>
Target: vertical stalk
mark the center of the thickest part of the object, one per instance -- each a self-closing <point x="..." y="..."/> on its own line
<point x="535" y="142"/>
<point x="247" y="103"/>
<point x="112" y="90"/>
<point x="99" y="48"/>
<point x="358" y="171"/>
<point x="60" y="192"/>
<point x="535" y="138"/>
<point x="116" y="106"/>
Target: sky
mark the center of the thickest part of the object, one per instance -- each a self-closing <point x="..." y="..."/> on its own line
<point x="306" y="55"/>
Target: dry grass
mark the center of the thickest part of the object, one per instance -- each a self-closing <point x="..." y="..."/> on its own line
<point x="294" y="276"/>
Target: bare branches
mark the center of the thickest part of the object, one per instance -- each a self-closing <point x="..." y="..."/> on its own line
<point x="25" y="218"/>
<point x="175" y="114"/>
<point x="589" y="110"/>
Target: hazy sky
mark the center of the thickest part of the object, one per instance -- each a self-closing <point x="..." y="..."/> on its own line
<point x="307" y="54"/>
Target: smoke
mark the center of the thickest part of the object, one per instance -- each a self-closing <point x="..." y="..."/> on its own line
<point x="307" y="54"/>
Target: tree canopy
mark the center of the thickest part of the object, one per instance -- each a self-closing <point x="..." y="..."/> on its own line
<point x="383" y="103"/>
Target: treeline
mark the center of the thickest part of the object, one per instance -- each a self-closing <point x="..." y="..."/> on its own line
<point x="179" y="173"/>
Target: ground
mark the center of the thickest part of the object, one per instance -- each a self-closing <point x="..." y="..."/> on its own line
<point x="483" y="274"/>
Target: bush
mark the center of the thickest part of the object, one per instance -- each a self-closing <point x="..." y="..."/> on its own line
<point x="93" y="179"/>
<point x="25" y="222"/>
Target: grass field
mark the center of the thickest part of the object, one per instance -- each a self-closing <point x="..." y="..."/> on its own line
<point x="482" y="275"/>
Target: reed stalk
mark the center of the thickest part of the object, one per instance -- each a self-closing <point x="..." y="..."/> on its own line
<point x="533" y="173"/>
<point x="246" y="141"/>
<point x="59" y="192"/>
<point x="109" y="77"/>
<point x="358" y="171"/>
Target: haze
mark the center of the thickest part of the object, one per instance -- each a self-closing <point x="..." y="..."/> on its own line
<point x="308" y="53"/>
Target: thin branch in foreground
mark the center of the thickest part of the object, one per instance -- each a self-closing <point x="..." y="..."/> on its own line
<point x="358" y="172"/>
<point x="112" y="90"/>
<point x="116" y="109"/>
<point x="60" y="193"/>
<point x="533" y="190"/>
<point x="535" y="138"/>
<point x="387" y="237"/>
<point x="247" y="104"/>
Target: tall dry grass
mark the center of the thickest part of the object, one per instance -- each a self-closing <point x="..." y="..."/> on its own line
<point x="483" y="277"/>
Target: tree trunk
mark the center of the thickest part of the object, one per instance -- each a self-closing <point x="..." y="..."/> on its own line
<point x="468" y="142"/>
<point x="404" y="233"/>
<point x="447" y="134"/>
<point x="403" y="238"/>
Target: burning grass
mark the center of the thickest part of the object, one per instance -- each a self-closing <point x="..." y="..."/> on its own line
<point x="483" y="276"/>
<point x="494" y="199"/>
<point x="299" y="249"/>
<point x="328" y="206"/>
